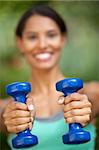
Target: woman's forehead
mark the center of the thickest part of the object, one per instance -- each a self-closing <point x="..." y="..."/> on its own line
<point x="37" y="22"/>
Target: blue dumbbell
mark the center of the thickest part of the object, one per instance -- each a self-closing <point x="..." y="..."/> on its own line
<point x="18" y="91"/>
<point x="76" y="134"/>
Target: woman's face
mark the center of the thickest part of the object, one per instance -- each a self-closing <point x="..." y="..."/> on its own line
<point x="41" y="42"/>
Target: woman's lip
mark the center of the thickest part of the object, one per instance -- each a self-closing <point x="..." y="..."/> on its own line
<point x="43" y="56"/>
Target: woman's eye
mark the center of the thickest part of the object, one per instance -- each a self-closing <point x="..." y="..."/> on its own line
<point x="52" y="35"/>
<point x="32" y="37"/>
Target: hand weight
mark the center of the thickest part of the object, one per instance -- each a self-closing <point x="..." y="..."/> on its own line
<point x="18" y="91"/>
<point x="76" y="134"/>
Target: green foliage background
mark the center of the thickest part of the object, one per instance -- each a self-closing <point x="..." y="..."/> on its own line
<point x="80" y="55"/>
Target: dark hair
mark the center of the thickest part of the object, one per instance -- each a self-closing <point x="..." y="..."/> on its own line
<point x="43" y="11"/>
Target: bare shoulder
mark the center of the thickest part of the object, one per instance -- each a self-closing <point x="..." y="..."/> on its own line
<point x="92" y="87"/>
<point x="92" y="83"/>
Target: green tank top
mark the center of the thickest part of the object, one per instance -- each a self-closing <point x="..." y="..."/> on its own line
<point x="49" y="133"/>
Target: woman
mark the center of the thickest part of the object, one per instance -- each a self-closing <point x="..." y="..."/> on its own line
<point x="40" y="36"/>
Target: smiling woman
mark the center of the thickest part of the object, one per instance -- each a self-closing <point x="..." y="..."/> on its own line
<point x="41" y="42"/>
<point x="40" y="36"/>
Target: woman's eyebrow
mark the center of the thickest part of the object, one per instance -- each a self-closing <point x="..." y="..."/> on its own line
<point x="30" y="32"/>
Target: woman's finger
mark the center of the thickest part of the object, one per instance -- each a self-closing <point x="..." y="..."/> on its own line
<point x="16" y="129"/>
<point x="75" y="97"/>
<point x="77" y="112"/>
<point x="76" y="105"/>
<point x="30" y="106"/>
<point x="17" y="121"/>
<point x="17" y="113"/>
<point x="16" y="106"/>
<point x="78" y="119"/>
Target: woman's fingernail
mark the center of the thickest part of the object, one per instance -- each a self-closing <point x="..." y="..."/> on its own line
<point x="31" y="107"/>
<point x="61" y="99"/>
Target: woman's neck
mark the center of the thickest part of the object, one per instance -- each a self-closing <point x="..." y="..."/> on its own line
<point x="44" y="80"/>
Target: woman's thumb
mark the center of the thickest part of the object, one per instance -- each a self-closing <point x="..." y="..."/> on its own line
<point x="29" y="103"/>
<point x="61" y="100"/>
<point x="30" y="106"/>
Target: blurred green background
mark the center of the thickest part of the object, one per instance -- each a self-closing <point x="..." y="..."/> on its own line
<point x="80" y="55"/>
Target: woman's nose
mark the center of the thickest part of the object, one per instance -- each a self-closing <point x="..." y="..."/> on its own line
<point x="43" y="43"/>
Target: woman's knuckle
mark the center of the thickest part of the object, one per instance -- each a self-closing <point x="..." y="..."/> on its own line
<point x="16" y="113"/>
<point x="17" y="128"/>
<point x="74" y="95"/>
<point x="85" y="96"/>
<point x="12" y="115"/>
<point x="73" y="112"/>
<point x="4" y="115"/>
<point x="88" y="117"/>
<point x="83" y="124"/>
<point x="30" y="119"/>
<point x="90" y="104"/>
<point x="89" y="110"/>
<point x="5" y="122"/>
<point x="16" y="105"/>
<point x="67" y="120"/>
<point x="8" y="129"/>
<point x="75" y="118"/>
<point x="71" y="105"/>
<point x="65" y="115"/>
<point x="64" y="108"/>
<point x="17" y="120"/>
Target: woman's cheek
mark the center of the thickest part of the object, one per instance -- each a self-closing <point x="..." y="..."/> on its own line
<point x="29" y="47"/>
<point x="56" y="44"/>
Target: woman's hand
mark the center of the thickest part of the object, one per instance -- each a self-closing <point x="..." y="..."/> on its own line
<point x="77" y="108"/>
<point x="19" y="116"/>
<point x="91" y="89"/>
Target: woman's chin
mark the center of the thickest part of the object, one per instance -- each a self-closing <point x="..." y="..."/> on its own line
<point x="44" y="63"/>
<point x="43" y="67"/>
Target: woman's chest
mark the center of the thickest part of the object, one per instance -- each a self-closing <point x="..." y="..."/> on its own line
<point x="47" y="105"/>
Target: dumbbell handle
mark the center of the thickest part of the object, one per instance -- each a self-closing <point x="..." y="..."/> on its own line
<point x="73" y="126"/>
<point x="21" y="97"/>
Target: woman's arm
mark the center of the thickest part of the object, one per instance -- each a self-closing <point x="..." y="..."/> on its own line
<point x="91" y="89"/>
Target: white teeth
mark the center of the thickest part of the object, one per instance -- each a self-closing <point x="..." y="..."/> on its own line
<point x="43" y="56"/>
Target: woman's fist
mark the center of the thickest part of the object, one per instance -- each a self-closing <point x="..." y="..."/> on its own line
<point x="19" y="116"/>
<point x="77" y="108"/>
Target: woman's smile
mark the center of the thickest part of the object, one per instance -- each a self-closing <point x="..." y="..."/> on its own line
<point x="43" y="56"/>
